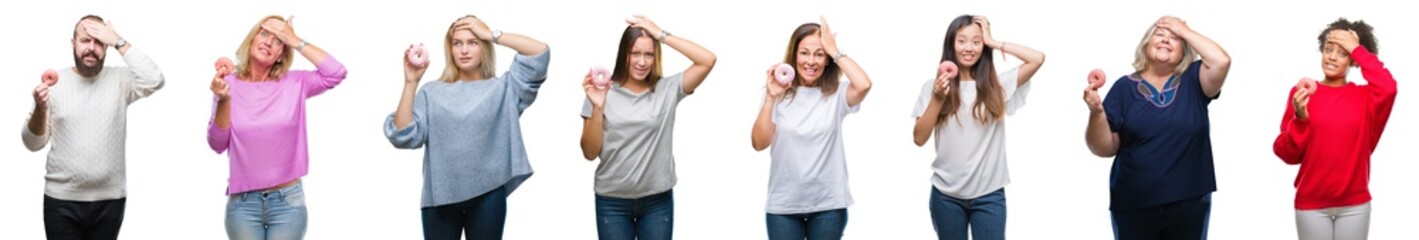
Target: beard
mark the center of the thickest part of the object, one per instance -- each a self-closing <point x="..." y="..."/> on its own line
<point x="87" y="70"/>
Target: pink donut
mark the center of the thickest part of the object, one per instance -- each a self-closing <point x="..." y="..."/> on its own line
<point x="600" y="77"/>
<point x="784" y="74"/>
<point x="418" y="56"/>
<point x="1308" y="85"/>
<point x="1096" y="78"/>
<point x="224" y="66"/>
<point x="947" y="68"/>
<point x="50" y="77"/>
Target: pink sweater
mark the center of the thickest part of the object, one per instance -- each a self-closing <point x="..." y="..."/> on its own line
<point x="267" y="135"/>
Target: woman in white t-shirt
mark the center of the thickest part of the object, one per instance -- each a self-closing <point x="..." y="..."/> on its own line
<point x="802" y="120"/>
<point x="969" y="172"/>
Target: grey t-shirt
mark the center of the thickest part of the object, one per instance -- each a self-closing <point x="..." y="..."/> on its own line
<point x="638" y="132"/>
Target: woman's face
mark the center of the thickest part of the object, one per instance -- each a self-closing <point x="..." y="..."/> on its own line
<point x="1334" y="60"/>
<point x="265" y="48"/>
<point x="1164" y="47"/>
<point x="968" y="45"/>
<point x="466" y="51"/>
<point x="812" y="59"/>
<point x="641" y="58"/>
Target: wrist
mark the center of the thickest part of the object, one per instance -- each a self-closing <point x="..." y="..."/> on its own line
<point x="837" y="54"/>
<point x="662" y="35"/>
<point x="301" y="46"/>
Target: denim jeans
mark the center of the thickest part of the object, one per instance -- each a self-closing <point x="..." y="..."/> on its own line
<point x="1183" y="219"/>
<point x="65" y="219"/>
<point x="984" y="215"/>
<point x="481" y="217"/>
<point x="267" y="214"/>
<point x="650" y="217"/>
<point x="812" y="226"/>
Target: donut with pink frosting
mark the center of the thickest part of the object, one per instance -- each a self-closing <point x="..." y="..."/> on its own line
<point x="1096" y="78"/>
<point x="948" y="68"/>
<point x="600" y="77"/>
<point x="418" y="56"/>
<point x="1307" y="85"/>
<point x="224" y="66"/>
<point x="784" y="74"/>
<point x="50" y="77"/>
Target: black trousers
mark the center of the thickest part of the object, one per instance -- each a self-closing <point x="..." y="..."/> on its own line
<point x="82" y="220"/>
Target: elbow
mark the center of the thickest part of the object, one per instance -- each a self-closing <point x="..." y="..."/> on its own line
<point x="33" y="147"/>
<point x="708" y="61"/>
<point x="1223" y="61"/>
<point x="218" y="148"/>
<point x="759" y="146"/>
<point x="920" y="138"/>
<point x="587" y="152"/>
<point x="1103" y="153"/>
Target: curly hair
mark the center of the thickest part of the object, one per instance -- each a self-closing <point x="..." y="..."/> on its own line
<point x="1365" y="31"/>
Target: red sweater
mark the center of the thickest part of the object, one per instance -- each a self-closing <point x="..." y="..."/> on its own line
<point x="1333" y="146"/>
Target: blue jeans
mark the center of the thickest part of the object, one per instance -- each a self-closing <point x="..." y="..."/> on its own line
<point x="1183" y="219"/>
<point x="984" y="215"/>
<point x="267" y="214"/>
<point x="650" y="217"/>
<point x="813" y="226"/>
<point x="481" y="217"/>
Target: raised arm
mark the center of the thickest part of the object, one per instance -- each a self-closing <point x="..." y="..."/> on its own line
<point x="219" y="127"/>
<point x="703" y="60"/>
<point x="860" y="83"/>
<point x="35" y="135"/>
<point x="1291" y="144"/>
<point x="329" y="72"/>
<point x="1215" y="61"/>
<point x="1383" y="88"/>
<point x="928" y="119"/>
<point x="144" y="76"/>
<point x="1101" y="138"/>
<point x="592" y="124"/>
<point x="1032" y="58"/>
<point x="762" y="136"/>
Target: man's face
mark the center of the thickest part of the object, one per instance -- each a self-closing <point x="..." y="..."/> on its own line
<point x="88" y="51"/>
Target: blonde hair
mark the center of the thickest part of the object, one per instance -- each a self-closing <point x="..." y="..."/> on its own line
<point x="1140" y="57"/>
<point x="243" y="54"/>
<point x="451" y="72"/>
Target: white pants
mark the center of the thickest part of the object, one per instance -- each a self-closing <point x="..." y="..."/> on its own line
<point x="1337" y="223"/>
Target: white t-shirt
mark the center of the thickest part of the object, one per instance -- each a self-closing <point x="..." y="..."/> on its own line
<point x="809" y="169"/>
<point x="970" y="159"/>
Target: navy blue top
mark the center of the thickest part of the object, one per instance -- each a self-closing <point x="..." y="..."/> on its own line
<point x="1165" y="149"/>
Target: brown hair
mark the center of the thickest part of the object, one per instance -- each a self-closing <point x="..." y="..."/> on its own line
<point x="990" y="100"/>
<point x="451" y="71"/>
<point x="243" y="54"/>
<point x="828" y="81"/>
<point x="622" y="72"/>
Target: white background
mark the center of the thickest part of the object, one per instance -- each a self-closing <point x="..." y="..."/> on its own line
<point x="360" y="187"/>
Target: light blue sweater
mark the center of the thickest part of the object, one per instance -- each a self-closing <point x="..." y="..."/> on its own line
<point x="472" y="132"/>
